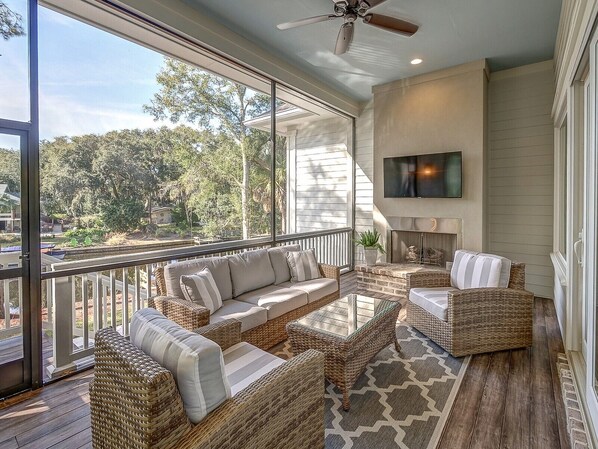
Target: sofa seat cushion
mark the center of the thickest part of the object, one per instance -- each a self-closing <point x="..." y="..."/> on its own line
<point x="278" y="258"/>
<point x="276" y="300"/>
<point x="250" y="270"/>
<point x="248" y="314"/>
<point x="195" y="361"/>
<point x="433" y="300"/>
<point x="218" y="266"/>
<point x="244" y="364"/>
<point x="316" y="288"/>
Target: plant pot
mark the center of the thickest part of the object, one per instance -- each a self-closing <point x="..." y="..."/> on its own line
<point x="371" y="256"/>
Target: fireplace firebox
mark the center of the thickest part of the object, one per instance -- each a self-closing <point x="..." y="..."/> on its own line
<point x="425" y="241"/>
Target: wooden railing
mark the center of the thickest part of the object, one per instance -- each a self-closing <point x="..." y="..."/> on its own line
<point x="92" y="294"/>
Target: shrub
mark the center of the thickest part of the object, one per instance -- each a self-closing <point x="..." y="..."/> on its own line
<point x="123" y="215"/>
<point x="94" y="235"/>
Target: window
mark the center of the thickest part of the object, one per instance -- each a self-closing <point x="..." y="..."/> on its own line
<point x="562" y="190"/>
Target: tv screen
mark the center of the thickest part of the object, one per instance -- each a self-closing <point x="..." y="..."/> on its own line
<point x="423" y="176"/>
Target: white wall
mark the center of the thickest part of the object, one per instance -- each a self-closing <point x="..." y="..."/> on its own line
<point x="364" y="174"/>
<point x="322" y="177"/>
<point x="520" y="171"/>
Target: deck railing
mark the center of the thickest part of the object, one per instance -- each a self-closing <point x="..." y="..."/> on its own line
<point x="91" y="294"/>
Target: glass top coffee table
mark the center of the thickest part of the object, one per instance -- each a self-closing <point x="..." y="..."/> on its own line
<point x="349" y="331"/>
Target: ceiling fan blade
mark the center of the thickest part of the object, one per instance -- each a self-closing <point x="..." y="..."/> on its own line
<point x="345" y="36"/>
<point x="371" y="3"/>
<point x="307" y="21"/>
<point x="391" y="24"/>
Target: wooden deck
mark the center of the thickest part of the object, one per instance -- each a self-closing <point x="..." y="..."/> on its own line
<point x="508" y="400"/>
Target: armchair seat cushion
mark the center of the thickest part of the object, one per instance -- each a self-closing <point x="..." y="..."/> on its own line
<point x="244" y="364"/>
<point x="276" y="300"/>
<point x="248" y="314"/>
<point x="433" y="300"/>
<point x="315" y="288"/>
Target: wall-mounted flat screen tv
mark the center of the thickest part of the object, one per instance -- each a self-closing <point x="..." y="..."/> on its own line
<point x="424" y="176"/>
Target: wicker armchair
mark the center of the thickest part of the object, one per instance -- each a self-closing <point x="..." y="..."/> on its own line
<point x="135" y="403"/>
<point x="192" y="316"/>
<point x="478" y="319"/>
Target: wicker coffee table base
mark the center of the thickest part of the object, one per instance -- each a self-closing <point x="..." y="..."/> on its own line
<point x="346" y="358"/>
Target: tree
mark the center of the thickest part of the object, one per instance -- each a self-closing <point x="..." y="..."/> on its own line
<point x="11" y="23"/>
<point x="10" y="169"/>
<point x="93" y="174"/>
<point x="214" y="104"/>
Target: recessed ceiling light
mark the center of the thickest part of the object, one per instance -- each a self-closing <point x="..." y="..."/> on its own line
<point x="416" y="61"/>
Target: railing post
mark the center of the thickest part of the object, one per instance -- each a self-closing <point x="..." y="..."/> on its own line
<point x="62" y="293"/>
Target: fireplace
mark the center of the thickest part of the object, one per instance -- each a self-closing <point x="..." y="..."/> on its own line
<point x="425" y="241"/>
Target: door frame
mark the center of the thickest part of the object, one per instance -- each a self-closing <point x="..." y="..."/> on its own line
<point x="30" y="270"/>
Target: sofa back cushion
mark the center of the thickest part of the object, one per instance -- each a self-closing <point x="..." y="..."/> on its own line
<point x="218" y="266"/>
<point x="250" y="270"/>
<point x="201" y="289"/>
<point x="473" y="270"/>
<point x="303" y="265"/>
<point x="195" y="362"/>
<point x="278" y="258"/>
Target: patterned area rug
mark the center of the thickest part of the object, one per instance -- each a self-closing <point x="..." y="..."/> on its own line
<point x="401" y="400"/>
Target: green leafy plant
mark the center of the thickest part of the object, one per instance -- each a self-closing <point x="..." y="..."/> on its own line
<point x="370" y="240"/>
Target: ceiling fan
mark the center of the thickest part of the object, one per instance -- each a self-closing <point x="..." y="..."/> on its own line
<point x="350" y="11"/>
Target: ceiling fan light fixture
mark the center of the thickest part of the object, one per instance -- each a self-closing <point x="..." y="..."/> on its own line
<point x="416" y="61"/>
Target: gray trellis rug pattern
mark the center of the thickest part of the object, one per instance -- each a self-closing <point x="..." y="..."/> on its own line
<point x="402" y="400"/>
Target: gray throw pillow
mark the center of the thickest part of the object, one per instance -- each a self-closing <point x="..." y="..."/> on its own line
<point x="303" y="265"/>
<point x="201" y="289"/>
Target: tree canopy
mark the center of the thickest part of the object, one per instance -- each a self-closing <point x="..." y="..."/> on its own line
<point x="11" y="23"/>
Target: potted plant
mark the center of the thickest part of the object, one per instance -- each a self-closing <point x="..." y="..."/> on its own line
<point x="371" y="245"/>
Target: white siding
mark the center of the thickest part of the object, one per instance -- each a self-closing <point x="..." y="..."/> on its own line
<point x="322" y="178"/>
<point x="520" y="171"/>
<point x="364" y="173"/>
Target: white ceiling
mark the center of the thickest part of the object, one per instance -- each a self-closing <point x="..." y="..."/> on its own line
<point x="509" y="33"/>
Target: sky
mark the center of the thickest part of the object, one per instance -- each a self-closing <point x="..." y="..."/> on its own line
<point x="90" y="81"/>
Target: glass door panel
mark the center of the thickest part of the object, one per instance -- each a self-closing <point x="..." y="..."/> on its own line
<point x="14" y="61"/>
<point x="14" y="311"/>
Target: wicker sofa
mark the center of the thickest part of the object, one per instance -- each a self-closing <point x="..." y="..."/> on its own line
<point x="135" y="403"/>
<point x="477" y="320"/>
<point x="262" y="328"/>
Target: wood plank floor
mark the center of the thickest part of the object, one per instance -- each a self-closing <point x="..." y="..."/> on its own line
<point x="507" y="400"/>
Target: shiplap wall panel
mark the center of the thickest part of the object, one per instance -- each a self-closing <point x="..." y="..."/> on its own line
<point x="364" y="174"/>
<point x="322" y="175"/>
<point x="520" y="171"/>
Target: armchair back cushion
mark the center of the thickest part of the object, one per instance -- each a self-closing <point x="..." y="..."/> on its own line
<point x="250" y="270"/>
<point x="195" y="362"/>
<point x="218" y="266"/>
<point x="278" y="257"/>
<point x="473" y="270"/>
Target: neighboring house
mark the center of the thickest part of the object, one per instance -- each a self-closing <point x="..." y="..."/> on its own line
<point x="10" y="210"/>
<point x="161" y="215"/>
<point x="319" y="169"/>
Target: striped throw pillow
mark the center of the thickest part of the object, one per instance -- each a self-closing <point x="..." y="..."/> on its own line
<point x="473" y="270"/>
<point x="201" y="288"/>
<point x="303" y="265"/>
<point x="196" y="362"/>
